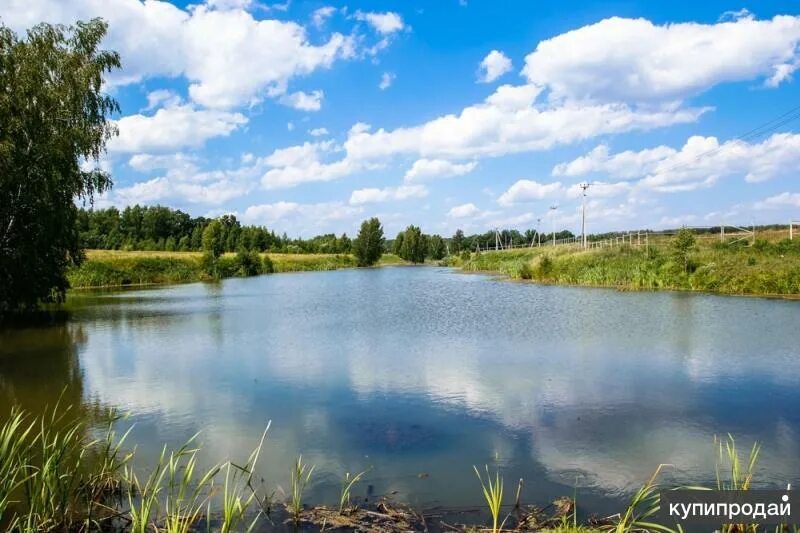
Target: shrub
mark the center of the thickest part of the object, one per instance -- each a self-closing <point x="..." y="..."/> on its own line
<point x="683" y="244"/>
<point x="227" y="267"/>
<point x="267" y="267"/>
<point x="545" y="265"/>
<point x="525" y="271"/>
<point x="248" y="263"/>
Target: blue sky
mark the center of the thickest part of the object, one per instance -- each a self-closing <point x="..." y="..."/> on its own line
<point x="308" y="117"/>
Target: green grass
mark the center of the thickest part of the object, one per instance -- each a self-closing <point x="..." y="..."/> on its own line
<point x="115" y="268"/>
<point x="765" y="268"/>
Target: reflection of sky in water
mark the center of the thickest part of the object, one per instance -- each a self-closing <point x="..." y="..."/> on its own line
<point x="413" y="370"/>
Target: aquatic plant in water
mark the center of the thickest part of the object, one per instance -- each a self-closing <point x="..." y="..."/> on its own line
<point x="347" y="485"/>
<point x="493" y="494"/>
<point x="301" y="475"/>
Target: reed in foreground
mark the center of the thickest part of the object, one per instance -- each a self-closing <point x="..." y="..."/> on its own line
<point x="493" y="494"/>
<point x="54" y="477"/>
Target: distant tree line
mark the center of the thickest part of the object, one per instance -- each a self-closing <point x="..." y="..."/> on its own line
<point x="161" y="228"/>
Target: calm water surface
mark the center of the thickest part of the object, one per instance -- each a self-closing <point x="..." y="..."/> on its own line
<point x="419" y="373"/>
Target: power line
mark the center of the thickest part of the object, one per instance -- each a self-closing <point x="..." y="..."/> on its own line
<point x="763" y="129"/>
<point x="760" y="130"/>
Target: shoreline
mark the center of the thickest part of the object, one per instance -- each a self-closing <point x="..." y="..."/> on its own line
<point x="499" y="275"/>
<point x="767" y="272"/>
<point x="113" y="269"/>
<point x="768" y="269"/>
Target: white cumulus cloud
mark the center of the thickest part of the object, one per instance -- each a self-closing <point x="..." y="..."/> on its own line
<point x="494" y="65"/>
<point x="299" y="217"/>
<point x="508" y="121"/>
<point x="376" y="195"/>
<point x="228" y="57"/>
<point x="528" y="191"/>
<point x="173" y="128"/>
<point x="700" y="162"/>
<point x="305" y="163"/>
<point x="304" y="101"/>
<point x="634" y="60"/>
<point x="387" y="78"/>
<point x="785" y="199"/>
<point x="423" y="169"/>
<point x="384" y="23"/>
<point x="464" y="211"/>
<point x="321" y="15"/>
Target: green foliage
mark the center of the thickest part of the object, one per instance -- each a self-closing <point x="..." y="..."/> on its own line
<point x="108" y="269"/>
<point x="248" y="263"/>
<point x="545" y="265"/>
<point x="525" y="271"/>
<point x="213" y="243"/>
<point x="436" y="247"/>
<point x="683" y="244"/>
<point x="54" y="116"/>
<point x="159" y="228"/>
<point x="136" y="271"/>
<point x="397" y="245"/>
<point x="267" y="266"/>
<point x="457" y="242"/>
<point x="368" y="246"/>
<point x="415" y="245"/>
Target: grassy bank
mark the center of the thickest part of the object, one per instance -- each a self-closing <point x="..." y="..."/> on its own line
<point x="771" y="266"/>
<point x="55" y="477"/>
<point x="111" y="268"/>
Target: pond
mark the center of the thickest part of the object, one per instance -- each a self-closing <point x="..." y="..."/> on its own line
<point x="417" y="374"/>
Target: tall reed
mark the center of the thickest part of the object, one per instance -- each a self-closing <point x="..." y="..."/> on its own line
<point x="301" y="475"/>
<point x="186" y="496"/>
<point x="13" y="438"/>
<point x="740" y="476"/>
<point x="347" y="486"/>
<point x="493" y="494"/>
<point x="239" y="493"/>
<point x="643" y="508"/>
<point x="54" y="467"/>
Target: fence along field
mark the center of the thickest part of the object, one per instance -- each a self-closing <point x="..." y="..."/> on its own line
<point x="639" y="238"/>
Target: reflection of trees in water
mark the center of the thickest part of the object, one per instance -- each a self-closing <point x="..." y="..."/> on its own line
<point x="39" y="364"/>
